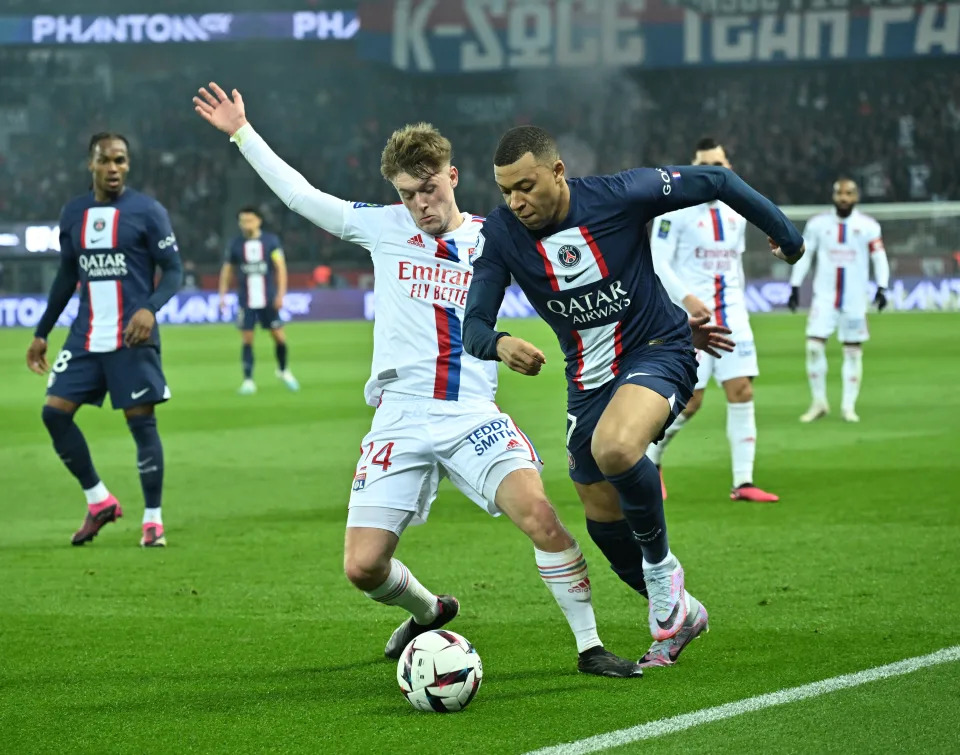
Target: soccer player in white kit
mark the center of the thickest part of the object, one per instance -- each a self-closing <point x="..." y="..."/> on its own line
<point x="844" y="243"/>
<point x="697" y="256"/>
<point x="435" y="414"/>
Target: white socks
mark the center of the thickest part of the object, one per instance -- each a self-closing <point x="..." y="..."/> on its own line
<point x="817" y="370"/>
<point x="402" y="589"/>
<point x="742" y="434"/>
<point x="152" y="516"/>
<point x="97" y="494"/>
<point x="655" y="450"/>
<point x="565" y="575"/>
<point x="852" y="376"/>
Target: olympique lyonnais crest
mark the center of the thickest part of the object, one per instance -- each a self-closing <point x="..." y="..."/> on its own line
<point x="568" y="255"/>
<point x="99" y="224"/>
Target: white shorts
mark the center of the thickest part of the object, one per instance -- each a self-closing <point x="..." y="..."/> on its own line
<point x="824" y="318"/>
<point x="415" y="442"/>
<point x="741" y="362"/>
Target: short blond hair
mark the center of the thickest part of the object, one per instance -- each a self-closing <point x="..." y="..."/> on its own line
<point x="417" y="149"/>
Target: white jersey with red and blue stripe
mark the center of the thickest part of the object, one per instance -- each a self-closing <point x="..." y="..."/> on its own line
<point x="696" y="251"/>
<point x="842" y="249"/>
<point x="420" y="291"/>
<point x="114" y="248"/>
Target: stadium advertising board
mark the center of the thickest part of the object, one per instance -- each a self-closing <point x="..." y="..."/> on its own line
<point x="449" y="36"/>
<point x="930" y="294"/>
<point x="165" y="28"/>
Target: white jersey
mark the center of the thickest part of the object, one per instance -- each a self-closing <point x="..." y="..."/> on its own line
<point x="842" y="249"/>
<point x="420" y="291"/>
<point x="420" y="287"/>
<point x="697" y="251"/>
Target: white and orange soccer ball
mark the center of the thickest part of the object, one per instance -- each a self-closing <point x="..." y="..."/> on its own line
<point x="439" y="672"/>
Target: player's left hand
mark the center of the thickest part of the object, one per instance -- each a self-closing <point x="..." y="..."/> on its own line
<point x="880" y="299"/>
<point x="278" y="302"/>
<point x="139" y="328"/>
<point x="779" y="254"/>
<point x="520" y="356"/>
<point x="710" y="338"/>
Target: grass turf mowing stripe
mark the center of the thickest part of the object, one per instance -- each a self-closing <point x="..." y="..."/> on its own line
<point x="676" y="724"/>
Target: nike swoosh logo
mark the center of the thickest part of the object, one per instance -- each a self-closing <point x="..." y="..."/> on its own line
<point x="672" y="618"/>
<point x="637" y="374"/>
<point x="572" y="278"/>
<point x="96" y="241"/>
<point x="145" y="461"/>
<point x="138" y="394"/>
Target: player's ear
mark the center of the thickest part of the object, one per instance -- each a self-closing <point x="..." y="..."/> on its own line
<point x="454" y="176"/>
<point x="559" y="170"/>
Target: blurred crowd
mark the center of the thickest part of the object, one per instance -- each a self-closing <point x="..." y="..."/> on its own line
<point x="790" y="131"/>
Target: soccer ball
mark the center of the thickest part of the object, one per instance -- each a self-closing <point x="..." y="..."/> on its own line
<point x="439" y="672"/>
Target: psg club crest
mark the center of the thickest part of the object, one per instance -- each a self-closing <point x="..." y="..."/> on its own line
<point x="571" y="461"/>
<point x="99" y="224"/>
<point x="568" y="255"/>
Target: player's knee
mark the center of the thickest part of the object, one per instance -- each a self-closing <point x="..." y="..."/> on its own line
<point x="614" y="454"/>
<point x="740" y="392"/>
<point x="365" y="572"/>
<point x="55" y="419"/>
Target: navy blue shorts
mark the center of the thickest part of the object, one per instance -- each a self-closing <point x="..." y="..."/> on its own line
<point x="671" y="372"/>
<point x="133" y="377"/>
<point x="268" y="317"/>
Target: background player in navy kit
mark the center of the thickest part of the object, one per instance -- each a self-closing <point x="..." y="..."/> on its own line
<point x="580" y="252"/>
<point x="262" y="284"/>
<point x="112" y="239"/>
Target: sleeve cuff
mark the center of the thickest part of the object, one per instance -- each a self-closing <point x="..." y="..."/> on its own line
<point x="242" y="134"/>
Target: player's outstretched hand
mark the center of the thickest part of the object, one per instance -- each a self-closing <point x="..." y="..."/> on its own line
<point x="520" y="356"/>
<point x="778" y="252"/>
<point x="880" y="299"/>
<point x="217" y="109"/>
<point x="37" y="356"/>
<point x="794" y="301"/>
<point x="139" y="328"/>
<point x="710" y="338"/>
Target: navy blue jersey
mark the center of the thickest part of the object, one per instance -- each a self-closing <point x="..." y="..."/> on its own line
<point x="112" y="249"/>
<point x="591" y="277"/>
<point x="254" y="260"/>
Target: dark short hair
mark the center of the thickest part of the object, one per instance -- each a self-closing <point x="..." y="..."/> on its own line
<point x="251" y="209"/>
<point x="104" y="135"/>
<point x="518" y="141"/>
<point x="707" y="142"/>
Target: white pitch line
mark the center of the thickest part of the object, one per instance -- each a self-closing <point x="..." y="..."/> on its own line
<point x="688" y="720"/>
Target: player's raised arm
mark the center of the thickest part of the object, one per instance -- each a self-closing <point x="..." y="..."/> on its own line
<point x="659" y="190"/>
<point x="227" y="113"/>
<point x="64" y="286"/>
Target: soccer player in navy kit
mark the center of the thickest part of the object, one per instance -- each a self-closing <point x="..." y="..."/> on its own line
<point x="112" y="240"/>
<point x="580" y="252"/>
<point x="262" y="283"/>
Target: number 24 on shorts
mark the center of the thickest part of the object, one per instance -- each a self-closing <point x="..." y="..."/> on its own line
<point x="381" y="457"/>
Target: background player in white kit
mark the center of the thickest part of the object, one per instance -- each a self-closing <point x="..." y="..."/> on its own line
<point x="697" y="255"/>
<point x="435" y="412"/>
<point x="844" y="243"/>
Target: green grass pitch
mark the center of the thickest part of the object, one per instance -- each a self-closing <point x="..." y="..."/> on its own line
<point x="244" y="636"/>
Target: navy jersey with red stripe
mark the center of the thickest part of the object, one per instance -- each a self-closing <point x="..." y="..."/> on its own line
<point x="112" y="250"/>
<point x="591" y="276"/>
<point x="254" y="260"/>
